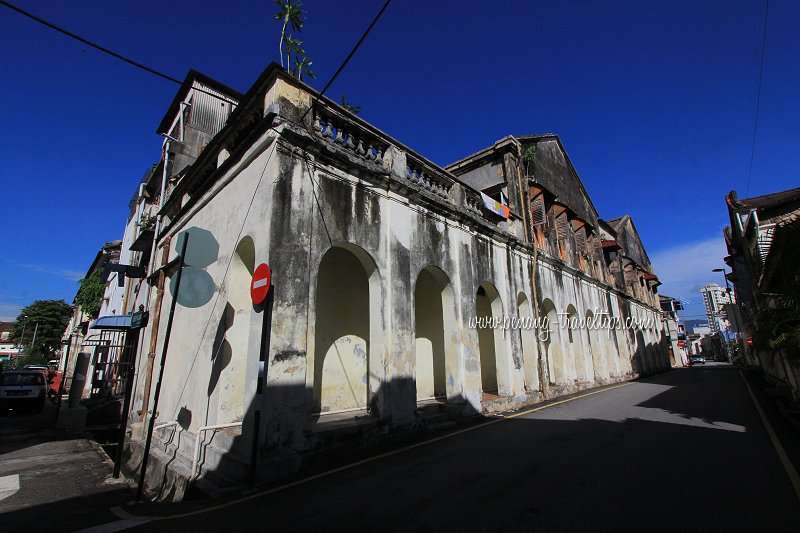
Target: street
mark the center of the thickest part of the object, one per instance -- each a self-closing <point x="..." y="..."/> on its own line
<point x="51" y="478"/>
<point x="684" y="450"/>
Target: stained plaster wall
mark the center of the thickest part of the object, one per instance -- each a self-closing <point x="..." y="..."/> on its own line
<point x="295" y="206"/>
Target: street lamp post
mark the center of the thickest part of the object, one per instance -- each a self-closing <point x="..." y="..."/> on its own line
<point x="730" y="301"/>
<point x="35" y="330"/>
<point x="21" y="341"/>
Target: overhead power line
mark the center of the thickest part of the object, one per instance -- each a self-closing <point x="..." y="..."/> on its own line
<point x="109" y="52"/>
<point x="358" y="44"/>
<point x="350" y="55"/>
<point x="758" y="100"/>
<point x="90" y="43"/>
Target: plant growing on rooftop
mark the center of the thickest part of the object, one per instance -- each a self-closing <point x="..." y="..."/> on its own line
<point x="289" y="14"/>
<point x="147" y="221"/>
<point x="355" y="109"/>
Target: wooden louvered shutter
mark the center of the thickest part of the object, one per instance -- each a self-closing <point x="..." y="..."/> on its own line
<point x="537" y="211"/>
<point x="580" y="241"/>
<point x="561" y="227"/>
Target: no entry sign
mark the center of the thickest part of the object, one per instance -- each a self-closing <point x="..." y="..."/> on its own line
<point x="259" y="287"/>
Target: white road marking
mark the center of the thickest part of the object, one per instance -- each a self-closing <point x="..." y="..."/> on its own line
<point x="9" y="485"/>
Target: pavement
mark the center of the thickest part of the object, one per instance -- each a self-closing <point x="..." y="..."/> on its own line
<point x="686" y="449"/>
<point x="54" y="479"/>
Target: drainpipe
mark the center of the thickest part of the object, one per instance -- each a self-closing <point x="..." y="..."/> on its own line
<point x="156" y="319"/>
<point x="164" y="349"/>
<point x="151" y="353"/>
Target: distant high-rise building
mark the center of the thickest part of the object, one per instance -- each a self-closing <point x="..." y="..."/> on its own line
<point x="715" y="299"/>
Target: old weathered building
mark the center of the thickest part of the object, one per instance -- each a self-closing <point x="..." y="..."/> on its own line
<point x="403" y="294"/>
<point x="762" y="243"/>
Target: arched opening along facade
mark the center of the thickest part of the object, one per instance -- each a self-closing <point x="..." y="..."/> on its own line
<point x="493" y="356"/>
<point x="528" y="343"/>
<point x="595" y="347"/>
<point x="232" y="343"/>
<point x="575" y="340"/>
<point x="613" y="346"/>
<point x="641" y="353"/>
<point x="552" y="343"/>
<point x="347" y="330"/>
<point x="436" y="335"/>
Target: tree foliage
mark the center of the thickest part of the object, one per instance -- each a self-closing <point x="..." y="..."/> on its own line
<point x="90" y="295"/>
<point x="46" y="319"/>
<point x="778" y="325"/>
<point x="291" y="15"/>
<point x="354" y="109"/>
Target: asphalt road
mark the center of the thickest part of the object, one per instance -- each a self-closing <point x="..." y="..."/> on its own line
<point x="682" y="451"/>
<point x="51" y="479"/>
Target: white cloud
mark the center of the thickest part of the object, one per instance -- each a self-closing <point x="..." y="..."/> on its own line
<point x="72" y="275"/>
<point x="685" y="268"/>
<point x="9" y="312"/>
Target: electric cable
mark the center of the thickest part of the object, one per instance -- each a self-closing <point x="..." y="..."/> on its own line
<point x="758" y="99"/>
<point x="107" y="51"/>
<point x="350" y="55"/>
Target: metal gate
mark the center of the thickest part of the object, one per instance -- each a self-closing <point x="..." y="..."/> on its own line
<point x="113" y="354"/>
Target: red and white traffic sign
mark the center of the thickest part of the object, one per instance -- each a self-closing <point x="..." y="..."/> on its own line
<point x="259" y="287"/>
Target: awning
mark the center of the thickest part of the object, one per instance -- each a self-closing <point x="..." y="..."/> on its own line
<point x="115" y="322"/>
<point x="143" y="242"/>
<point x="610" y="245"/>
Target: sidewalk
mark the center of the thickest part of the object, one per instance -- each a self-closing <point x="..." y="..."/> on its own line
<point x="52" y="479"/>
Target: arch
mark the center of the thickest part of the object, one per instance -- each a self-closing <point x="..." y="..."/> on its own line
<point x="575" y="340"/>
<point x="595" y="347"/>
<point x="552" y="343"/>
<point x="641" y="365"/>
<point x="231" y="347"/>
<point x="612" y="344"/>
<point x="528" y="343"/>
<point x="488" y="307"/>
<point x="347" y="330"/>
<point x="435" y="335"/>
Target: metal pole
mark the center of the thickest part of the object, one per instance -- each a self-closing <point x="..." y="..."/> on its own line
<point x="254" y="448"/>
<point x="733" y="308"/>
<point x="63" y="376"/>
<point x="167" y="333"/>
<point x="126" y="402"/>
<point x="35" y="331"/>
<point x="21" y="343"/>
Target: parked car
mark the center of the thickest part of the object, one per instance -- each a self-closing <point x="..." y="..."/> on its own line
<point x="697" y="360"/>
<point x="20" y="389"/>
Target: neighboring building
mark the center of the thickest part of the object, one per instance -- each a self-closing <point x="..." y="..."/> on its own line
<point x="763" y="240"/>
<point x="8" y="350"/>
<point x="715" y="300"/>
<point x="697" y="326"/>
<point x="673" y="331"/>
<point x="77" y="328"/>
<point x="382" y="265"/>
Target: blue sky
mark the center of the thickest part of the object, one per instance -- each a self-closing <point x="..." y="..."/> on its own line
<point x="654" y="101"/>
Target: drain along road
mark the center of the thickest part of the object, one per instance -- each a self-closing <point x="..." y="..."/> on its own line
<point x="685" y="450"/>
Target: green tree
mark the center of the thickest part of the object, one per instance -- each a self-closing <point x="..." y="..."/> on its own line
<point x="302" y="66"/>
<point x="289" y="14"/>
<point x="90" y="295"/>
<point x="354" y="109"/>
<point x="45" y="320"/>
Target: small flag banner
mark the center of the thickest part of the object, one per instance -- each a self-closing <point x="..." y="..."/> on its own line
<point x="494" y="206"/>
